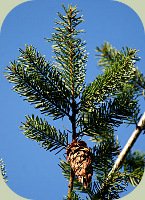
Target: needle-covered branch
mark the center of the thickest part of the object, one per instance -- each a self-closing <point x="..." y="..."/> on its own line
<point x="41" y="84"/>
<point x="99" y="121"/>
<point x="118" y="71"/>
<point x="69" y="50"/>
<point x="39" y="130"/>
<point x="109" y="179"/>
<point x="3" y="170"/>
<point x="134" y="165"/>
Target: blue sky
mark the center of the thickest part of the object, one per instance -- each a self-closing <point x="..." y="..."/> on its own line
<point x="33" y="172"/>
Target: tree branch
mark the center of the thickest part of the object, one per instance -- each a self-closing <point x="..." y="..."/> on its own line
<point x="70" y="186"/>
<point x="128" y="146"/>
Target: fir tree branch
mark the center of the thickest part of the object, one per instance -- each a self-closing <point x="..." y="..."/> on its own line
<point x="40" y="131"/>
<point x="129" y="144"/>
<point x="118" y="71"/>
<point x="3" y="170"/>
<point x="104" y="155"/>
<point x="133" y="166"/>
<point x="125" y="150"/>
<point x="71" y="60"/>
<point x="111" y="189"/>
<point x="40" y="83"/>
<point x="70" y="50"/>
<point x="98" y="122"/>
<point x="109" y="55"/>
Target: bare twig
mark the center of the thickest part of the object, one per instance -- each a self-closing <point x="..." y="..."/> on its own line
<point x="128" y="146"/>
<point x="70" y="186"/>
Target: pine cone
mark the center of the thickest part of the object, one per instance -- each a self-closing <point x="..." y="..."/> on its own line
<point x="79" y="157"/>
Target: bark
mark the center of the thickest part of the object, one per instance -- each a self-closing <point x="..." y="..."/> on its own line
<point x="70" y="186"/>
<point x="128" y="146"/>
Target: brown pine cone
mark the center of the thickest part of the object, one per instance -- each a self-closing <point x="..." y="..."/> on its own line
<point x="80" y="159"/>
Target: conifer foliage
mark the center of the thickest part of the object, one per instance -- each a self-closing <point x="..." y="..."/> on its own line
<point x="95" y="110"/>
<point x="3" y="170"/>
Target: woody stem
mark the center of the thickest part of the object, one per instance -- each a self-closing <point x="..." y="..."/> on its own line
<point x="70" y="186"/>
<point x="73" y="104"/>
<point x="126" y="149"/>
<point x="74" y="135"/>
<point x="128" y="146"/>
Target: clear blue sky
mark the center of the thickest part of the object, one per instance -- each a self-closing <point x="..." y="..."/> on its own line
<point x="33" y="172"/>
